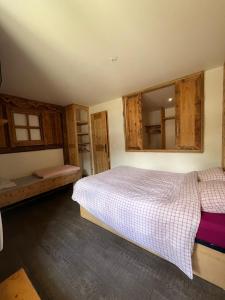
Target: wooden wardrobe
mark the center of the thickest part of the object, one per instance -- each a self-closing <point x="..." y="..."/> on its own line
<point x="77" y="142"/>
<point x="29" y="125"/>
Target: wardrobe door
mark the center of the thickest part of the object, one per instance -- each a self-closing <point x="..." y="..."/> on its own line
<point x="189" y="112"/>
<point x="133" y="122"/>
<point x="52" y="124"/>
<point x="71" y="143"/>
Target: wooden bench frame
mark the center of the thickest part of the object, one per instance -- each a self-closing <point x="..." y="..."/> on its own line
<point x="17" y="194"/>
<point x="207" y="263"/>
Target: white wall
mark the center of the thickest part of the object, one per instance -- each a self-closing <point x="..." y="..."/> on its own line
<point x="180" y="162"/>
<point x="24" y="163"/>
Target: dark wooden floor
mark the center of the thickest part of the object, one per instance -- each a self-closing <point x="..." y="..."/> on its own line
<point x="67" y="257"/>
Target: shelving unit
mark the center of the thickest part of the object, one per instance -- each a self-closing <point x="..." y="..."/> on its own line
<point x="153" y="129"/>
<point x="78" y="136"/>
<point x="82" y="123"/>
<point x="158" y="130"/>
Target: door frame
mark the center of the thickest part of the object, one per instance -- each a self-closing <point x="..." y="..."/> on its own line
<point x="108" y="142"/>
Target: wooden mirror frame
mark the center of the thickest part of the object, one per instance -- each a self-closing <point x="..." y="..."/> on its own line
<point x="199" y="127"/>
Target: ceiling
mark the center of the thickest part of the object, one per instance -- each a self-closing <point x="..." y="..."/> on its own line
<point x="159" y="98"/>
<point x="61" y="51"/>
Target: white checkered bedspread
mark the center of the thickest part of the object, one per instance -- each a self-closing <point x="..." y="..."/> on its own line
<point x="158" y="210"/>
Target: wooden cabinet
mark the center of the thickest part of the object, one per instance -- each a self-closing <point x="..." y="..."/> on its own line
<point x="52" y="127"/>
<point x="189" y="112"/>
<point x="30" y="125"/>
<point x="188" y="102"/>
<point x="71" y="143"/>
<point x="133" y="122"/>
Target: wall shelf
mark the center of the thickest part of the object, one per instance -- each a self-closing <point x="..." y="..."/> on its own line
<point x="80" y="123"/>
<point x="153" y="129"/>
<point x="78" y="136"/>
<point x="82" y="133"/>
<point x="84" y="144"/>
<point x="169" y="118"/>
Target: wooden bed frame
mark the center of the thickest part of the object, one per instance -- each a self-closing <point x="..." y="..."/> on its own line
<point x="207" y="263"/>
<point x="32" y="186"/>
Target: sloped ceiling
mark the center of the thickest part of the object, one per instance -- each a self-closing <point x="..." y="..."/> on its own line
<point x="60" y="51"/>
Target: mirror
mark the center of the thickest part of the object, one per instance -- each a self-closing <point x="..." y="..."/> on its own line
<point x="158" y="117"/>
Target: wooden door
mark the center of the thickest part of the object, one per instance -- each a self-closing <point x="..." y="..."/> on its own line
<point x="189" y="112"/>
<point x="133" y="122"/>
<point x="100" y="141"/>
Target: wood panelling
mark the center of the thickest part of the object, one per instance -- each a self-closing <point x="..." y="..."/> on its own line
<point x="28" y="104"/>
<point x="189" y="114"/>
<point x="133" y="122"/>
<point x="50" y="118"/>
<point x="100" y="141"/>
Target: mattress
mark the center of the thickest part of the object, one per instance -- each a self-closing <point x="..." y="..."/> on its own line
<point x="159" y="211"/>
<point x="211" y="231"/>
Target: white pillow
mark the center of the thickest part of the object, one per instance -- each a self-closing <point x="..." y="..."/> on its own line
<point x="212" y="196"/>
<point x="211" y="174"/>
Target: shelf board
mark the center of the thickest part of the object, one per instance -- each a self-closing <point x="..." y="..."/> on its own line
<point x="153" y="126"/>
<point x="83" y="144"/>
<point x="83" y="150"/>
<point x="153" y="129"/>
<point x="80" y="123"/>
<point x="82" y="133"/>
<point x="169" y="118"/>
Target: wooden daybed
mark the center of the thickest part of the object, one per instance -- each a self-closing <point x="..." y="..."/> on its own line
<point x="30" y="186"/>
<point x="207" y="263"/>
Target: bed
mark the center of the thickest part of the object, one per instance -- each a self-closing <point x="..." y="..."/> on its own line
<point x="158" y="211"/>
